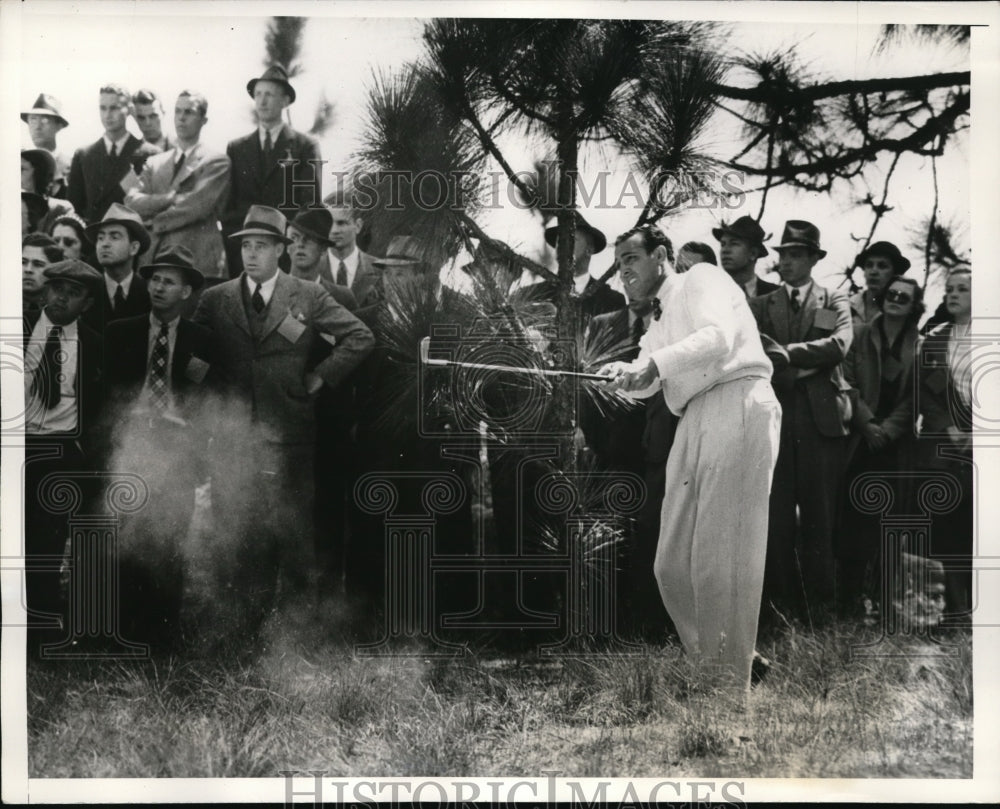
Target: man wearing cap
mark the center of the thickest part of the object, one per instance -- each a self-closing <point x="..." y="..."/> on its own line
<point x="266" y="328"/>
<point x="181" y="192"/>
<point x="880" y="262"/>
<point x="703" y="355"/>
<point x="270" y="166"/>
<point x="97" y="171"/>
<point x="155" y="368"/>
<point x="740" y="245"/>
<point x="814" y="326"/>
<point x="45" y="121"/>
<point x="147" y="109"/>
<point x="63" y="395"/>
<point x="38" y="251"/>
<point x="118" y="238"/>
<point x="346" y="264"/>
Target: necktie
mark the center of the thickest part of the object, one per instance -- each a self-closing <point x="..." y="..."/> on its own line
<point x="257" y="300"/>
<point x="119" y="300"/>
<point x="267" y="143"/>
<point x="114" y="151"/>
<point x="342" y="274"/>
<point x="795" y="300"/>
<point x="178" y="165"/>
<point x="158" y="368"/>
<point x="47" y="381"/>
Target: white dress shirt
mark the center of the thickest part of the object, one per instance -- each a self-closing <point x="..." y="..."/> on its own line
<point x="63" y="417"/>
<point x="119" y="144"/>
<point x="112" y="285"/>
<point x="804" y="291"/>
<point x="351" y="261"/>
<point x="266" y="288"/>
<point x="275" y="132"/>
<point x="706" y="335"/>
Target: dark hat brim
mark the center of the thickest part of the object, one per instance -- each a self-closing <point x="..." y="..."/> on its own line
<point x="600" y="240"/>
<point x="43" y="111"/>
<point x="194" y="277"/>
<point x="312" y="234"/>
<point x="899" y="262"/>
<point x="260" y="231"/>
<point x="288" y="87"/>
<point x="138" y="232"/>
<point x="718" y="233"/>
<point x="809" y="245"/>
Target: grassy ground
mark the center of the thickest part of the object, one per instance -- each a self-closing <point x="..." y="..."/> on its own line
<point x="305" y="701"/>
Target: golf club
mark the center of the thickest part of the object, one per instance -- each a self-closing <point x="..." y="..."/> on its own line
<point x="425" y="359"/>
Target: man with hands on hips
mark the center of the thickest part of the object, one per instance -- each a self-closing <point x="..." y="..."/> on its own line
<point x="705" y="354"/>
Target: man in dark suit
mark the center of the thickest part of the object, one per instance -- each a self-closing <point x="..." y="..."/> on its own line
<point x="636" y="441"/>
<point x="118" y="238"/>
<point x="590" y="296"/>
<point x="266" y="327"/>
<point x="274" y="165"/>
<point x="155" y="366"/>
<point x="63" y="395"/>
<point x="740" y="245"/>
<point x="97" y="171"/>
<point x="814" y="325"/>
<point x="344" y="263"/>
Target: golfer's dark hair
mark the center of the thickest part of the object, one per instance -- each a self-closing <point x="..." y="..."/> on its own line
<point x="147" y="97"/>
<point x="652" y="237"/>
<point x="53" y="252"/>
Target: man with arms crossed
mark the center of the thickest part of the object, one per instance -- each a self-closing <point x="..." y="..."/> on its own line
<point x="705" y="356"/>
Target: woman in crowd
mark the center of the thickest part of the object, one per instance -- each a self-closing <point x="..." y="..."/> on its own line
<point x="945" y="406"/>
<point x="70" y="233"/>
<point x="879" y="368"/>
<point x="38" y="167"/>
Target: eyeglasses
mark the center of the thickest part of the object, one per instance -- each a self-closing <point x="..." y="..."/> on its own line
<point x="895" y="296"/>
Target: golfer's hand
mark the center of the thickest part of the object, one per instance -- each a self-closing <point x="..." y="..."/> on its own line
<point x="625" y="376"/>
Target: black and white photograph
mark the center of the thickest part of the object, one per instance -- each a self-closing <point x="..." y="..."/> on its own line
<point x="579" y="402"/>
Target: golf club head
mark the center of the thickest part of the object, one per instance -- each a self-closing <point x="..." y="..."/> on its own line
<point x="425" y="348"/>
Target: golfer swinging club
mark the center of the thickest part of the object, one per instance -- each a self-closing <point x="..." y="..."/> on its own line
<point x="704" y="352"/>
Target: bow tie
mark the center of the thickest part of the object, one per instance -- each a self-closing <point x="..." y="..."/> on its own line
<point x="643" y="307"/>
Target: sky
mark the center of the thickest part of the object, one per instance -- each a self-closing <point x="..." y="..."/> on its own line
<point x="70" y="50"/>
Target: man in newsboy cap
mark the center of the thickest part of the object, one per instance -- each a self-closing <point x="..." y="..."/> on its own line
<point x="813" y="324"/>
<point x="267" y="328"/>
<point x="274" y="165"/>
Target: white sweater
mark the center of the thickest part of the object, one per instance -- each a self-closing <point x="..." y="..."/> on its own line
<point x="706" y="335"/>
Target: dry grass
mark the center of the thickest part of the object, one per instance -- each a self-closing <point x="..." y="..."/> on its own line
<point x="306" y="702"/>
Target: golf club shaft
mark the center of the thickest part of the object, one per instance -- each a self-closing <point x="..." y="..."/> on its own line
<point x="513" y="369"/>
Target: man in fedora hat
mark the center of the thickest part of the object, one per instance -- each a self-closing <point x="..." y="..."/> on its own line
<point x="814" y="326"/>
<point x="880" y="262"/>
<point x="740" y="245"/>
<point x="274" y="165"/>
<point x="155" y="367"/>
<point x="593" y="297"/>
<point x="308" y="250"/>
<point x="181" y="192"/>
<point x="267" y="327"/>
<point x="45" y="121"/>
<point x="63" y="374"/>
<point x="97" y="171"/>
<point x="118" y="239"/>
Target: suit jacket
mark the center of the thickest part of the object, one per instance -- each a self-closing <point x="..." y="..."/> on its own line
<point x="765" y="287"/>
<point x="136" y="303"/>
<point x="94" y="177"/>
<point x="815" y="352"/>
<point x="256" y="184"/>
<point x="939" y="405"/>
<point x="202" y="186"/>
<point x="366" y="286"/>
<point x="643" y="434"/>
<point x="863" y="369"/>
<point x="125" y="359"/>
<point x="263" y="378"/>
<point x="89" y="378"/>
